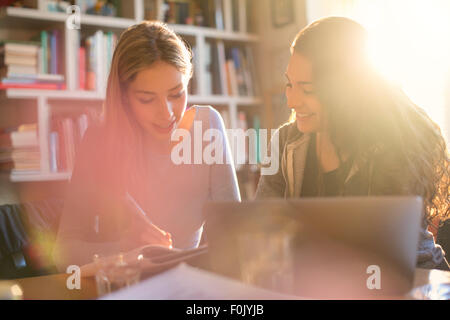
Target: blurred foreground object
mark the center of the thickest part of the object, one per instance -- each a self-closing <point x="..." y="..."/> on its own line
<point x="10" y="291"/>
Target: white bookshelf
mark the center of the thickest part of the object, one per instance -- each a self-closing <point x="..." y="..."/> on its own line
<point x="93" y="95"/>
<point x="35" y="176"/>
<point x="31" y="18"/>
<point x="26" y="16"/>
<point x="54" y="94"/>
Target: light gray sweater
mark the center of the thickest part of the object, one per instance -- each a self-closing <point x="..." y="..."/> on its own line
<point x="174" y="197"/>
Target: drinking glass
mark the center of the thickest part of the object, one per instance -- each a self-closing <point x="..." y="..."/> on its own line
<point x="266" y="261"/>
<point x="115" y="272"/>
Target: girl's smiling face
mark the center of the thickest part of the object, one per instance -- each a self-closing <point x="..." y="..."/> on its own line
<point x="301" y="97"/>
<point x="157" y="97"/>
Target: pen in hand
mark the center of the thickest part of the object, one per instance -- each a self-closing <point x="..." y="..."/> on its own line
<point x="140" y="213"/>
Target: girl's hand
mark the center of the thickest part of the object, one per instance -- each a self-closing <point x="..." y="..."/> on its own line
<point x="151" y="234"/>
<point x="140" y="233"/>
<point x="142" y="230"/>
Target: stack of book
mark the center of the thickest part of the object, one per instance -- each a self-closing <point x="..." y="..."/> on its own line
<point x="95" y="56"/>
<point x="19" y="149"/>
<point x="241" y="72"/>
<point x="228" y="71"/>
<point x="65" y="137"/>
<point x="32" y="64"/>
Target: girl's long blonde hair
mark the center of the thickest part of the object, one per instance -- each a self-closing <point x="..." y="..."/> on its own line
<point x="138" y="48"/>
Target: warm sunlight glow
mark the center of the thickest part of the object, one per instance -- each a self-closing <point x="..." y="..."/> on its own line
<point x="410" y="45"/>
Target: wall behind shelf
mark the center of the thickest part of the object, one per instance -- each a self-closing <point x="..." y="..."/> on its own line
<point x="274" y="54"/>
<point x="275" y="42"/>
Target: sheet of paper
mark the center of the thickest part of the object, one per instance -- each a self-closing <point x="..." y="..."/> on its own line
<point x="188" y="283"/>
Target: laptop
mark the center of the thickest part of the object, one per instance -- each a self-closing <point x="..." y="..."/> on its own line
<point x="347" y="247"/>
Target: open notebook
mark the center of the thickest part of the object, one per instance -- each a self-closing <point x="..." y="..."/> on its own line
<point x="184" y="282"/>
<point x="154" y="258"/>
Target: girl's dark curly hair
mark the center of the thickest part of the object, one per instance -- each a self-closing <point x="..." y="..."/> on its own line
<point x="364" y="110"/>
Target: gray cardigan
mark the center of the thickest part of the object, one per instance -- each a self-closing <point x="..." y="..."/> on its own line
<point x="287" y="183"/>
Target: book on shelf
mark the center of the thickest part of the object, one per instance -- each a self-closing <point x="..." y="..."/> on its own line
<point x="8" y="70"/>
<point x="232" y="86"/>
<point x="204" y="13"/>
<point x="247" y="167"/>
<point x="23" y="160"/>
<point x="221" y="67"/>
<point x="208" y="73"/>
<point x="40" y="86"/>
<point x="53" y="151"/>
<point x="19" y="48"/>
<point x="251" y="154"/>
<point x="151" y="9"/>
<point x="94" y="65"/>
<point x="31" y="4"/>
<point x="82" y="68"/>
<point x="85" y="5"/>
<point x="241" y="158"/>
<point x="22" y="127"/>
<point x="255" y="149"/>
<point x="177" y="11"/>
<point x="43" y="55"/>
<point x="110" y="8"/>
<point x="19" y="149"/>
<point x="235" y="13"/>
<point x="236" y="56"/>
<point x="65" y="136"/>
<point x="54" y="52"/>
<point x="22" y="137"/>
<point x="214" y="70"/>
<point x="32" y="64"/>
<point x="241" y="72"/>
<point x="29" y="78"/>
<point x="50" y="53"/>
<point x="218" y="7"/>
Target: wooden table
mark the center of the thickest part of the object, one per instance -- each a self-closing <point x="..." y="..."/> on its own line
<point x="53" y="287"/>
